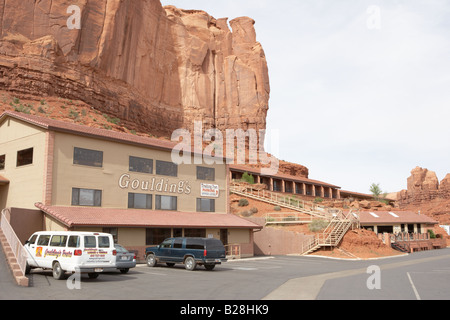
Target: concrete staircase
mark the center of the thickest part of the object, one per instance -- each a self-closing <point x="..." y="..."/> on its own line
<point x="339" y="223"/>
<point x="20" y="278"/>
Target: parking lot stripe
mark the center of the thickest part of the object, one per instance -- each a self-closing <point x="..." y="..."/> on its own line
<point x="413" y="286"/>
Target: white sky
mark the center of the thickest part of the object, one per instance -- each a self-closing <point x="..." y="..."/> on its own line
<point x="354" y="103"/>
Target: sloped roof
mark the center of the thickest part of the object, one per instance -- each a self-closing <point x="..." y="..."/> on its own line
<point x="390" y="217"/>
<point x="67" y="127"/>
<point x="106" y="217"/>
<point x="243" y="168"/>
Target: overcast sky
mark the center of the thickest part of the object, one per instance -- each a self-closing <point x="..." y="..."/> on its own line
<point x="360" y="90"/>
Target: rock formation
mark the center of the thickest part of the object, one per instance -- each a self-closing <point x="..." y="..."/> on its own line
<point x="156" y="68"/>
<point x="423" y="186"/>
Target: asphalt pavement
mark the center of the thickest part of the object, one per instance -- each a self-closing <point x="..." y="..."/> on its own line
<point x="419" y="276"/>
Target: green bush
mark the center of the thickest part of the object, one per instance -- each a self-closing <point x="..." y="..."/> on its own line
<point x="277" y="208"/>
<point x="431" y="233"/>
<point x="248" y="178"/>
<point x="243" y="202"/>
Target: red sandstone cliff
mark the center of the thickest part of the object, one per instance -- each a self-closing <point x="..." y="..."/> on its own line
<point x="155" y="68"/>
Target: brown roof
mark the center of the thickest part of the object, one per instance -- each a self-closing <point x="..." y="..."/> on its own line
<point x="243" y="168"/>
<point x="67" y="127"/>
<point x="389" y="217"/>
<point x="106" y="217"/>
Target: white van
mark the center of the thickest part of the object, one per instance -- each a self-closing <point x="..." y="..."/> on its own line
<point x="67" y="251"/>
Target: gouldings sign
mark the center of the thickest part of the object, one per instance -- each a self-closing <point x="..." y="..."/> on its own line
<point x="154" y="184"/>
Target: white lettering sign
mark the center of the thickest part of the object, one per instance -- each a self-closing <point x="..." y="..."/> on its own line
<point x="154" y="184"/>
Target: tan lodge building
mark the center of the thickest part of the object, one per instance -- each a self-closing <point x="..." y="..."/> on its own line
<point x="57" y="175"/>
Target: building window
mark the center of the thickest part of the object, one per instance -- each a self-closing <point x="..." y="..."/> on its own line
<point x="165" y="168"/>
<point x="114" y="232"/>
<point x="206" y="173"/>
<point x="90" y="158"/>
<point x="165" y="203"/>
<point x="24" y="157"/>
<point x="2" y="162"/>
<point x="86" y="197"/>
<point x="195" y="233"/>
<point x="154" y="236"/>
<point x="141" y="165"/>
<point x="206" y="205"/>
<point x="139" y="201"/>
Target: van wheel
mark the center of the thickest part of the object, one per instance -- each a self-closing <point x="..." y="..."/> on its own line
<point x="58" y="272"/>
<point x="151" y="260"/>
<point x="27" y="269"/>
<point x="190" y="264"/>
<point x="93" y="275"/>
<point x="124" y="270"/>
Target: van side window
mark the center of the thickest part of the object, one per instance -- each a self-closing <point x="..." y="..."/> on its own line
<point x="74" y="242"/>
<point x="58" y="241"/>
<point x="166" y="244"/>
<point x="178" y="243"/>
<point x="103" y="242"/>
<point x="43" y="240"/>
<point x="90" y="242"/>
<point x="33" y="239"/>
<point x="194" y="244"/>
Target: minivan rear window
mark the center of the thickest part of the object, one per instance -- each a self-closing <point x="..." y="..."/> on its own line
<point x="103" y="242"/>
<point x="90" y="242"/>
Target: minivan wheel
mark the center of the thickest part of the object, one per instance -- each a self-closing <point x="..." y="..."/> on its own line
<point x="151" y="260"/>
<point x="190" y="263"/>
<point x="58" y="272"/>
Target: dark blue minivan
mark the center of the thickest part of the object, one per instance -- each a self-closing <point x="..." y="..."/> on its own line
<point x="190" y="251"/>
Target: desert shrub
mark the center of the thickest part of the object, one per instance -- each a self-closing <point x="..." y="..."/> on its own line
<point x="318" y="200"/>
<point x="277" y="208"/>
<point x="254" y="210"/>
<point x="318" y="225"/>
<point x="243" y="202"/>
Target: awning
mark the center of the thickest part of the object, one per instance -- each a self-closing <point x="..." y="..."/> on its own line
<point x="106" y="217"/>
<point x="393" y="217"/>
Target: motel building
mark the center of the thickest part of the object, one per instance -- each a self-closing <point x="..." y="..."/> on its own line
<point x="57" y="175"/>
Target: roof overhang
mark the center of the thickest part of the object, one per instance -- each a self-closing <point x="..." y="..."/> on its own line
<point x="132" y="218"/>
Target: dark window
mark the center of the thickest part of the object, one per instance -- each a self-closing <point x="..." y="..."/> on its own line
<point x="103" y="242"/>
<point x="141" y="165"/>
<point x="167" y="244"/>
<point x="206" y="205"/>
<point x="178" y="243"/>
<point x="86" y="197"/>
<point x="33" y="239"/>
<point x="195" y="244"/>
<point x="2" y="162"/>
<point x="113" y="231"/>
<point x="154" y="236"/>
<point x="206" y="173"/>
<point x="200" y="233"/>
<point x="74" y="242"/>
<point x="165" y="203"/>
<point x="139" y="201"/>
<point x="165" y="168"/>
<point x="43" y="240"/>
<point x="87" y="157"/>
<point x="24" y="157"/>
<point x="90" y="242"/>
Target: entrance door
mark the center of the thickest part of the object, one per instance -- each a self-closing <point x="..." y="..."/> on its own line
<point x="224" y="236"/>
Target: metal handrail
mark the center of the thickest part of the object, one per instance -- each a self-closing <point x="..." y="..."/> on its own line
<point x="17" y="248"/>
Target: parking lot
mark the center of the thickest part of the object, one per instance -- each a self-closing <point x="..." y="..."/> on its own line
<point x="423" y="275"/>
